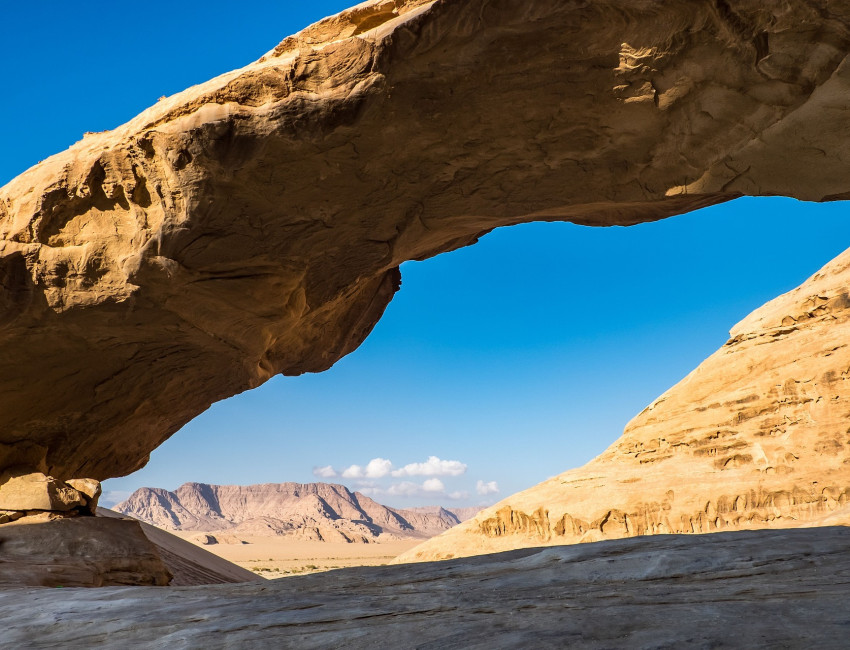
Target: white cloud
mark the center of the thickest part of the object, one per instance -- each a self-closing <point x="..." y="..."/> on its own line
<point x="378" y="468"/>
<point x="354" y="471"/>
<point x="433" y="485"/>
<point x="487" y="488"/>
<point x="432" y="467"/>
<point x="462" y="494"/>
<point x="324" y="472"/>
<point x="404" y="489"/>
<point x="429" y="488"/>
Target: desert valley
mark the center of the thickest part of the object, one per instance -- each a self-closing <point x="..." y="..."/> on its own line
<point x="288" y="528"/>
<point x="256" y="225"/>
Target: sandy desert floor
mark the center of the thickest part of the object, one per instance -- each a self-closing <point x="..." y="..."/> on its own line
<point x="277" y="557"/>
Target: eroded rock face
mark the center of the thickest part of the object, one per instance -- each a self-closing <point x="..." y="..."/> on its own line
<point x="187" y="564"/>
<point x="35" y="491"/>
<point x="313" y="511"/>
<point x="774" y="589"/>
<point x="757" y="436"/>
<point x="78" y="552"/>
<point x="254" y="224"/>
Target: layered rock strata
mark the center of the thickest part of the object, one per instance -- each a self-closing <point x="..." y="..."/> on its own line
<point x="760" y="589"/>
<point x="78" y="552"/>
<point x="254" y="224"/>
<point x="757" y="436"/>
<point x="49" y="551"/>
<point x="32" y="494"/>
<point x="188" y="564"/>
<point x="312" y="511"/>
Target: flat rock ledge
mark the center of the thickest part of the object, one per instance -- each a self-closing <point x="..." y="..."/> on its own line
<point x="79" y="552"/>
<point x="768" y="588"/>
<point x="103" y="551"/>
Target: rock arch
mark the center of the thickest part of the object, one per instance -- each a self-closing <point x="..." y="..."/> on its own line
<point x="254" y="224"/>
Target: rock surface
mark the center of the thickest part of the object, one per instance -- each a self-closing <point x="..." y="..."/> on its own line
<point x="35" y="491"/>
<point x="758" y="589"/>
<point x="78" y="552"/>
<point x="106" y="550"/>
<point x="188" y="564"/>
<point x="313" y="511"/>
<point x="757" y="436"/>
<point x="254" y="224"/>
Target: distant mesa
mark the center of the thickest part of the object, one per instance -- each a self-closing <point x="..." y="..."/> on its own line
<point x="320" y="512"/>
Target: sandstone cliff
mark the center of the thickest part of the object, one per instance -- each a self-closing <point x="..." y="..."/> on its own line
<point x="314" y="511"/>
<point x="757" y="436"/>
<point x="254" y="224"/>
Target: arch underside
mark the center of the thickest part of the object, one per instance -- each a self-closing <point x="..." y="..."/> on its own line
<point x="254" y="225"/>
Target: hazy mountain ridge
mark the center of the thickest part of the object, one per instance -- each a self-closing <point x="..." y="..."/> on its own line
<point x="317" y="511"/>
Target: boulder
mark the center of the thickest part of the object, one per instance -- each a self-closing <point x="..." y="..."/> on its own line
<point x="35" y="491"/>
<point x="78" y="552"/>
<point x="10" y="515"/>
<point x="89" y="488"/>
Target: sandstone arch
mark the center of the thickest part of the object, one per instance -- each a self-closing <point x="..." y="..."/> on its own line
<point x="254" y="224"/>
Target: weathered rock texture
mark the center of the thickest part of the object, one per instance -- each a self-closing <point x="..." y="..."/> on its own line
<point x="35" y="491"/>
<point x="79" y="552"/>
<point x="188" y="564"/>
<point x="110" y="549"/>
<point x="314" y="511"/>
<point x="762" y="589"/>
<point x="757" y="436"/>
<point x="254" y="224"/>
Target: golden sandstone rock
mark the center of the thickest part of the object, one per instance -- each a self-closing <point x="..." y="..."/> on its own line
<point x="757" y="436"/>
<point x="35" y="491"/>
<point x="254" y="224"/>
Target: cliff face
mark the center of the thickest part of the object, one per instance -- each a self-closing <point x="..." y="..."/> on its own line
<point x="254" y="224"/>
<point x="316" y="511"/>
<point x="756" y="437"/>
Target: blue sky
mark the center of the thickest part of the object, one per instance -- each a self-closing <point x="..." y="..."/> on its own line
<point x="496" y="366"/>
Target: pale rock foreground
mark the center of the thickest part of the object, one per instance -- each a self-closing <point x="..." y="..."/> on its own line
<point x="757" y="436"/>
<point x="753" y="589"/>
<point x="254" y="224"/>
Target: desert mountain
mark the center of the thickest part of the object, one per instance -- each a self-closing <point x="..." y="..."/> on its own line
<point x="314" y="511"/>
<point x="756" y="437"/>
<point x="462" y="514"/>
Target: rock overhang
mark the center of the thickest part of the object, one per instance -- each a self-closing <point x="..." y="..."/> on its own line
<point x="254" y="224"/>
